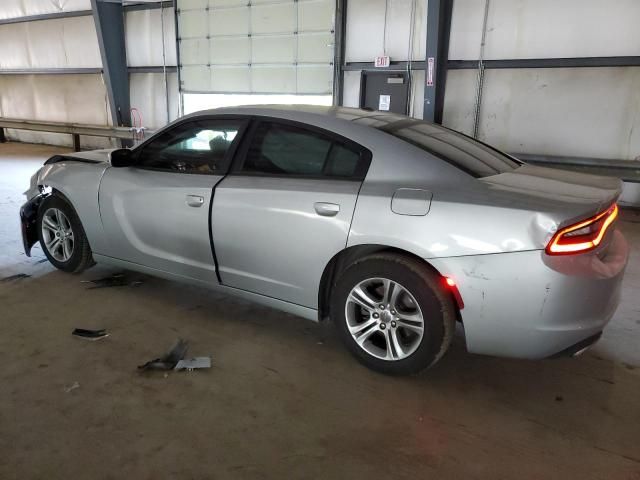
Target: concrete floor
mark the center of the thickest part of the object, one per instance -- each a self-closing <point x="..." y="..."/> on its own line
<point x="283" y="399"/>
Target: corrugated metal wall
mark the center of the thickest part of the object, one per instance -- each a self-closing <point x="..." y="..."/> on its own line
<point x="582" y="112"/>
<point x="379" y="27"/>
<point x="56" y="43"/>
<point x="144" y="48"/>
<point x="72" y="43"/>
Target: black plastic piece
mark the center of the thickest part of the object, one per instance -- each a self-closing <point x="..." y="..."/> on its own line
<point x="115" y="280"/>
<point x="28" y="221"/>
<point x="90" y="334"/>
<point x="581" y="345"/>
<point x="17" y="276"/>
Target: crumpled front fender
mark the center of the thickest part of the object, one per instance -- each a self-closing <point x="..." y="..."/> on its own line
<point x="29" y="222"/>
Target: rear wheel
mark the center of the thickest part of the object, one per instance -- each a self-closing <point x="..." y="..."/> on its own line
<point x="393" y="313"/>
<point x="62" y="237"/>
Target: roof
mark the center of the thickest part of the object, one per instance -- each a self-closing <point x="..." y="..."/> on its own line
<point x="356" y="115"/>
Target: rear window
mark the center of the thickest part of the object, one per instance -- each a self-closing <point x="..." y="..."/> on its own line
<point x="278" y="149"/>
<point x="473" y="157"/>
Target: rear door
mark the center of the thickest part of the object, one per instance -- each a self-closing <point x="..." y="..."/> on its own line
<point x="285" y="209"/>
<point x="157" y="213"/>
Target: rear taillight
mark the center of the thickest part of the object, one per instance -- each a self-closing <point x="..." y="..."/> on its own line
<point x="583" y="236"/>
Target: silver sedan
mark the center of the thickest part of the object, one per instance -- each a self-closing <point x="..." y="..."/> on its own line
<point x="394" y="228"/>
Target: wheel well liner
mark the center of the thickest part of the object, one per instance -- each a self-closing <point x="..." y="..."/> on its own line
<point x="346" y="257"/>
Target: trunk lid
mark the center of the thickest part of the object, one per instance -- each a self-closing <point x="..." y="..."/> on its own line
<point x="562" y="194"/>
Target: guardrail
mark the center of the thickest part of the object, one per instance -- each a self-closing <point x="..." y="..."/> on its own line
<point x="73" y="129"/>
<point x="628" y="170"/>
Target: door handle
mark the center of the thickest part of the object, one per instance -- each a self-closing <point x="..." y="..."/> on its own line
<point x="195" y="200"/>
<point x="326" y="209"/>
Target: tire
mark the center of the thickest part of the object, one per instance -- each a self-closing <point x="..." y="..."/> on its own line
<point x="418" y="292"/>
<point x="72" y="252"/>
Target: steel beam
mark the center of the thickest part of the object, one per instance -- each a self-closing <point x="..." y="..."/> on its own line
<point x="130" y="7"/>
<point x="79" y="71"/>
<point x="46" y="16"/>
<point x="394" y="66"/>
<point x="109" y="20"/>
<point x="579" y="62"/>
<point x="339" y="51"/>
<point x="438" y="28"/>
<point x="176" y="12"/>
<point x="50" y="71"/>
<point x="152" y="69"/>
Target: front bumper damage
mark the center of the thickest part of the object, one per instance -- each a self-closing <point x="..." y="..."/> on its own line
<point x="28" y="221"/>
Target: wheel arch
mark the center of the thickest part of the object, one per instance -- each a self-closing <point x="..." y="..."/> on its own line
<point x="78" y="186"/>
<point x="346" y="257"/>
<point x="80" y="256"/>
<point x="61" y="194"/>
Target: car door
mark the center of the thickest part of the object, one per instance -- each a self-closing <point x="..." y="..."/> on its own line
<point x="156" y="213"/>
<point x="285" y="209"/>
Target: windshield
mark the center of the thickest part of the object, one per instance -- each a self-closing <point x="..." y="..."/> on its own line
<point x="467" y="154"/>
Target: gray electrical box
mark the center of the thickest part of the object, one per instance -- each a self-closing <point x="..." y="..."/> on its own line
<point x="384" y="91"/>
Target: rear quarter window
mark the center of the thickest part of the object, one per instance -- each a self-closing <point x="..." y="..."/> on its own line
<point x="288" y="150"/>
<point x="474" y="157"/>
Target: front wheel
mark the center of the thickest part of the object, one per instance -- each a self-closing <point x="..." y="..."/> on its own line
<point x="62" y="237"/>
<point x="393" y="313"/>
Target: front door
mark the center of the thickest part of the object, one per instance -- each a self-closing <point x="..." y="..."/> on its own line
<point x="286" y="210"/>
<point x="156" y="213"/>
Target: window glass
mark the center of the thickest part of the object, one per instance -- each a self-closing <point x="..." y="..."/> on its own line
<point x="342" y="162"/>
<point x="470" y="155"/>
<point x="286" y="150"/>
<point x="194" y="147"/>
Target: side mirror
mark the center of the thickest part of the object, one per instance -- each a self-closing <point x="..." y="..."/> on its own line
<point x="121" y="158"/>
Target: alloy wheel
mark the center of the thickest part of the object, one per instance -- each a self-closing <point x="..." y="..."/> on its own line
<point x="384" y="319"/>
<point x="57" y="234"/>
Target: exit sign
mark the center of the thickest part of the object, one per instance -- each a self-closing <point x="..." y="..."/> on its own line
<point x="382" y="62"/>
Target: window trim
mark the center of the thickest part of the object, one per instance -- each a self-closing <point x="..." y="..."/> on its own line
<point x="243" y="120"/>
<point x="241" y="155"/>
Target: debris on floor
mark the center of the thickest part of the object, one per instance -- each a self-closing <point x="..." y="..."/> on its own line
<point x="169" y="360"/>
<point x="71" y="387"/>
<point x="116" y="280"/>
<point x="17" y="276"/>
<point x="90" y="334"/>
<point x="193" y="363"/>
<point x="174" y="360"/>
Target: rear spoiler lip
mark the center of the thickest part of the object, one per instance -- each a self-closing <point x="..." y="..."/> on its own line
<point x="595" y="210"/>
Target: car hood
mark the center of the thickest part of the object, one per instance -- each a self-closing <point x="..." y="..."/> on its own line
<point x="97" y="156"/>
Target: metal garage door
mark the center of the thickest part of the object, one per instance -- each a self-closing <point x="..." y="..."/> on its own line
<point x="257" y="46"/>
